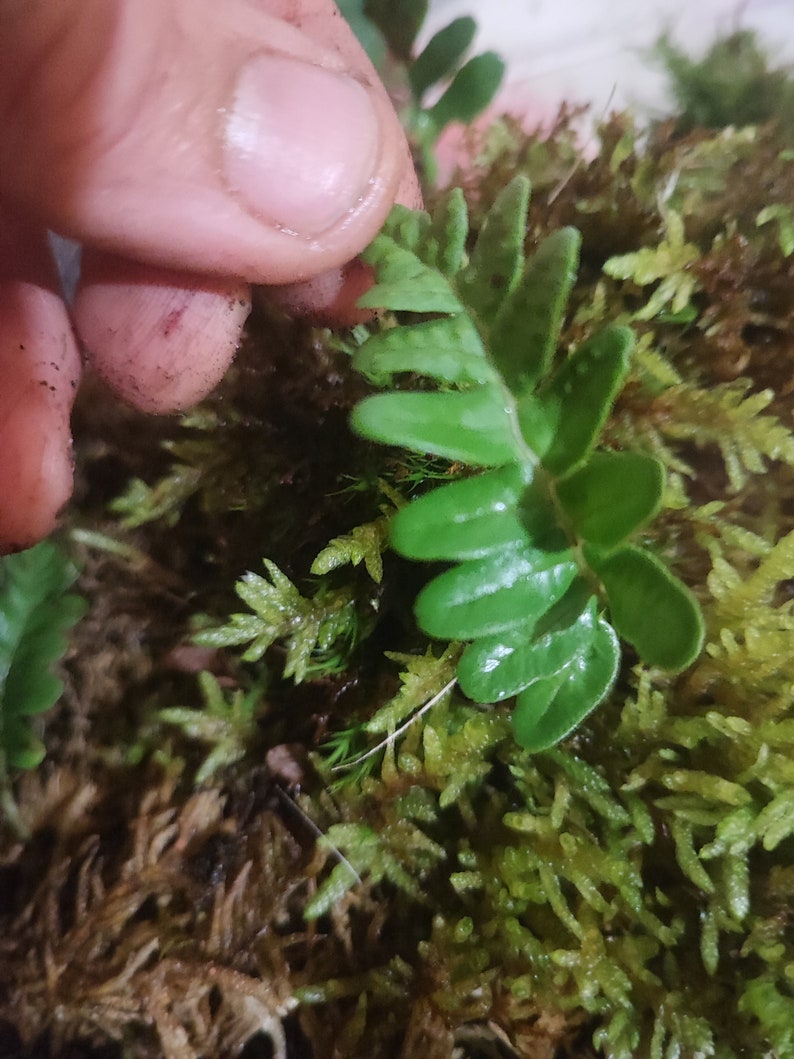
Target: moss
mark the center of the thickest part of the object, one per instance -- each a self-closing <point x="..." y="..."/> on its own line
<point x="732" y="84"/>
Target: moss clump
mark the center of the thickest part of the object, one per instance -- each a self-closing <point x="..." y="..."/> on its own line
<point x="733" y="84"/>
<point x="627" y="894"/>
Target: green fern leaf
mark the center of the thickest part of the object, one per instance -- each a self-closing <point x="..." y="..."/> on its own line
<point x="445" y="243"/>
<point x="472" y="89"/>
<point x="650" y="608"/>
<point x="551" y="707"/>
<point x="399" y="21"/>
<point x="509" y="590"/>
<point x="448" y="350"/>
<point x="527" y="327"/>
<point x="438" y="241"/>
<point x="531" y="537"/>
<point x="36" y="613"/>
<point x="612" y="496"/>
<point x="579" y="397"/>
<point x="409" y="229"/>
<point x="441" y="55"/>
<point x="401" y="275"/>
<point x="498" y="667"/>
<point x="467" y="519"/>
<point x="497" y="259"/>
<point x="473" y="426"/>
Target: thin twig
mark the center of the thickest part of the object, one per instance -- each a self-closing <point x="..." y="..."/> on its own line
<point x="566" y="179"/>
<point x="316" y="831"/>
<point x="397" y="732"/>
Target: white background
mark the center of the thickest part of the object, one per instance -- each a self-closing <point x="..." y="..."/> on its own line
<point x="592" y="50"/>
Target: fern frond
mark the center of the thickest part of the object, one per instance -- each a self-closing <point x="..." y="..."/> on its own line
<point x="538" y="539"/>
<point x="36" y="612"/>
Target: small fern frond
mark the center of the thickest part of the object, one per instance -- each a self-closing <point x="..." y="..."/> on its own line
<point x="37" y="610"/>
<point x="538" y="538"/>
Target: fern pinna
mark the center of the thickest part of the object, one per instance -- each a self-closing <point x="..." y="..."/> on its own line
<point x="37" y="610"/>
<point x="543" y="580"/>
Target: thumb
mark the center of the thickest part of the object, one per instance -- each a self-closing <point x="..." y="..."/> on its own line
<point x="40" y="369"/>
<point x="248" y="138"/>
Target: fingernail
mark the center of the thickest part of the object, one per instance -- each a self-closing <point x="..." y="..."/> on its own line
<point x="301" y="143"/>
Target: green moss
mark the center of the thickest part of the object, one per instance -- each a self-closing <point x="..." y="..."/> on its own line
<point x="732" y="84"/>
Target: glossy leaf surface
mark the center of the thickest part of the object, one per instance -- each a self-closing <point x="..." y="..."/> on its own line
<point x="536" y="424"/>
<point x="467" y="519"/>
<point x="472" y="426"/>
<point x="504" y="591"/>
<point x="550" y="709"/>
<point x="497" y="667"/>
<point x="650" y="607"/>
<point x="581" y="394"/>
<point x="532" y="534"/>
<point x="612" y="495"/>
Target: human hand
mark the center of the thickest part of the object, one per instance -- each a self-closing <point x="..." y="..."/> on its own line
<point x="193" y="148"/>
